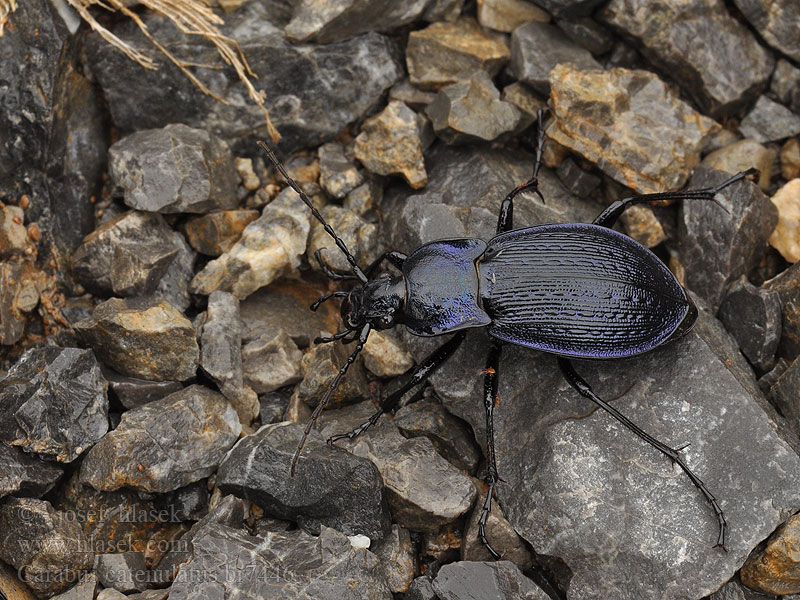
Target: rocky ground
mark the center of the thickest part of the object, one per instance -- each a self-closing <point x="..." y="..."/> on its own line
<point x="158" y="354"/>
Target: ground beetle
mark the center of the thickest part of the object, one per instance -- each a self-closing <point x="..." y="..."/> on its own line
<point x="571" y="289"/>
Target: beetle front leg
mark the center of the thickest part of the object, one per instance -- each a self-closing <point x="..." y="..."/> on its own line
<point x="609" y="216"/>
<point x="583" y="388"/>
<point x="424" y="370"/>
<point x="491" y="383"/>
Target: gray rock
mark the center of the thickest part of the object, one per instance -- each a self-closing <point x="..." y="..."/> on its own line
<point x="111" y="594"/>
<point x="174" y="285"/>
<point x="189" y="503"/>
<point x="330" y="21"/>
<point x="421" y="589"/>
<point x="536" y="49"/>
<point x="271" y="363"/>
<point x="126" y="256"/>
<point x="717" y="246"/>
<point x="360" y="237"/>
<point x="217" y="232"/>
<point x="150" y="595"/>
<point x="165" y="444"/>
<point x="568" y="9"/>
<point x="769" y="122"/>
<point x="629" y="123"/>
<point x="507" y="15"/>
<point x="25" y="475"/>
<point x="291" y="564"/>
<point x="785" y="84"/>
<point x="124" y="571"/>
<point x="411" y="96"/>
<point x="12" y="320"/>
<point x="338" y="174"/>
<point x="577" y="181"/>
<point x="444" y="53"/>
<point x="588" y="33"/>
<point x="143" y="337"/>
<point x="270" y="246"/>
<point x="575" y="483"/>
<point x="740" y="156"/>
<point x="787" y="284"/>
<point x="699" y="45"/>
<point x="768" y="379"/>
<point x="424" y="490"/>
<point x="320" y="365"/>
<point x="53" y="402"/>
<point x="340" y="82"/>
<point x="733" y="590"/>
<point x="133" y="392"/>
<point x="753" y="316"/>
<point x="273" y="406"/>
<point x="396" y="554"/>
<point x="85" y="589"/>
<point x="785" y="394"/>
<point x="529" y="103"/>
<point x="221" y="344"/>
<point x="329" y="488"/>
<point x="502" y="580"/>
<point x="174" y="169"/>
<point x="471" y="111"/>
<point x="776" y="21"/>
<point x="450" y="435"/>
<point x="45" y="546"/>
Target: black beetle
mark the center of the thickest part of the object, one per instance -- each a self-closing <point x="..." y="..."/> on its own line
<point x="574" y="290"/>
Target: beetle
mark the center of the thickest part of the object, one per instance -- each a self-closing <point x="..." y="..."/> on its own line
<point x="574" y="290"/>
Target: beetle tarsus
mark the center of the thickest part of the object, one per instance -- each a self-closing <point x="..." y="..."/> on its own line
<point x="485" y="510"/>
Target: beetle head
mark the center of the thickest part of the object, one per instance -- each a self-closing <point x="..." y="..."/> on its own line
<point x="378" y="302"/>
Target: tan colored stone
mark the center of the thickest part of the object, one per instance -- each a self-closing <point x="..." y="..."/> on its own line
<point x="776" y="569"/>
<point x="641" y="224"/>
<point x="443" y="53"/>
<point x="790" y="159"/>
<point x="215" y="233"/>
<point x="507" y="15"/>
<point x="385" y="355"/>
<point x="13" y="235"/>
<point x="244" y="166"/>
<point x="786" y="237"/>
<point x="740" y="156"/>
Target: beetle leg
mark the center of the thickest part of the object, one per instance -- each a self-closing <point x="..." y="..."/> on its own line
<point x="583" y="388"/>
<point x="491" y="382"/>
<point x="505" y="220"/>
<point x="329" y="273"/>
<point x="394" y="257"/>
<point x="609" y="216"/>
<point x="435" y="360"/>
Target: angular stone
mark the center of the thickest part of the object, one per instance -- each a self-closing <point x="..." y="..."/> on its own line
<point x="576" y="483"/>
<point x="424" y="490"/>
<point x="449" y="434"/>
<point x="221" y="344"/>
<point x="385" y="355"/>
<point x="536" y="49"/>
<point x="753" y="316"/>
<point x="775" y="569"/>
<point x="360" y="237"/>
<point x="269" y="247"/>
<point x="785" y="84"/>
<point x="216" y="233"/>
<point x="341" y="81"/>
<point x="165" y="444"/>
<point x="776" y="21"/>
<point x="12" y="320"/>
<point x="320" y="365"/>
<point x="526" y="101"/>
<point x="507" y="15"/>
<point x="85" y="589"/>
<point x="142" y="337"/>
<point x="124" y="571"/>
<point x="790" y="159"/>
<point x="397" y="559"/>
<point x="785" y="394"/>
<point x="629" y="124"/>
<point x="270" y="363"/>
<point x="248" y="177"/>
<point x="502" y="580"/>
<point x="471" y="111"/>
<point x="330" y="488"/>
<point x="46" y="547"/>
<point x="392" y="142"/>
<point x="284" y="306"/>
<point x="133" y="392"/>
<point x="787" y="284"/>
<point x="717" y="246"/>
<point x="53" y="402"/>
<point x="333" y="20"/>
<point x="126" y="256"/>
<point x="189" y="503"/>
<point x="421" y="589"/>
<point x="699" y="45"/>
<point x="364" y="198"/>
<point x="769" y="122"/>
<point x="740" y="156"/>
<point x="578" y="181"/>
<point x="273" y="406"/>
<point x="443" y="53"/>
<point x="289" y="564"/>
<point x="13" y="235"/>
<point x="338" y="174"/>
<point x="569" y="9"/>
<point x="174" y="285"/>
<point x="786" y="237"/>
<point x="442" y="545"/>
<point x="588" y="33"/>
<point x="174" y="169"/>
<point x="25" y="475"/>
<point x="642" y="225"/>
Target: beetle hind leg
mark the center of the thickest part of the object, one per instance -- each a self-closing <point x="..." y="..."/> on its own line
<point x="490" y="397"/>
<point x="583" y="388"/>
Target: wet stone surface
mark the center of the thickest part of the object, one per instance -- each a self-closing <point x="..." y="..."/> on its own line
<point x="54" y="403"/>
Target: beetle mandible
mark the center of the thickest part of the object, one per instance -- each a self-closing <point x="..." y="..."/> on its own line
<point x="547" y="287"/>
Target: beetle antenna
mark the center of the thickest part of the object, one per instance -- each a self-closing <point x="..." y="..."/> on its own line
<point x="362" y="339"/>
<point x="333" y="338"/>
<point x="326" y="297"/>
<point x="306" y="200"/>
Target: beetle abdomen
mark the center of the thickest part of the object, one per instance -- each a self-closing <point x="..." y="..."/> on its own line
<point x="579" y="290"/>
